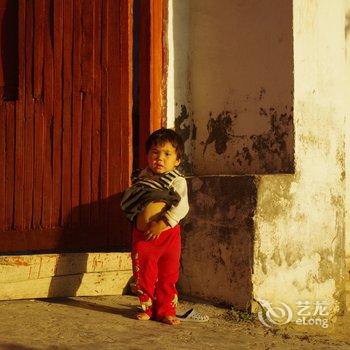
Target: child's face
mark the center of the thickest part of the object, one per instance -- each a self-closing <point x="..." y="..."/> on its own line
<point x="162" y="158"/>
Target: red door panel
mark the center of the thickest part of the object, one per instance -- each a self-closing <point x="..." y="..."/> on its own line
<point x="65" y="141"/>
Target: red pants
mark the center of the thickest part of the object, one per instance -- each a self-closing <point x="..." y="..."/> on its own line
<point x="156" y="270"/>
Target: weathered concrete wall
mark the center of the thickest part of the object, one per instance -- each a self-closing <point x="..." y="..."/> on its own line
<point x="299" y="248"/>
<point x="234" y="62"/>
<point x="347" y="128"/>
<point x="347" y="154"/>
<point x="218" y="239"/>
<point x="242" y="90"/>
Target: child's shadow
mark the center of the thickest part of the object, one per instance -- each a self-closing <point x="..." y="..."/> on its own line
<point x="96" y="227"/>
<point x="128" y="311"/>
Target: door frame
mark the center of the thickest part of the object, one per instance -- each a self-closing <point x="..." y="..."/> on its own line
<point x="153" y="59"/>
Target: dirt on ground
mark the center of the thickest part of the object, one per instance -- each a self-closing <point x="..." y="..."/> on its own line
<point x="108" y="323"/>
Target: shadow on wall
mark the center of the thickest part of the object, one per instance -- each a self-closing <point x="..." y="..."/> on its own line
<point x="218" y="235"/>
<point x="104" y="233"/>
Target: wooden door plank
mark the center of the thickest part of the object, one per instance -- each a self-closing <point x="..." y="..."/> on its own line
<point x="105" y="134"/>
<point x="38" y="66"/>
<point x="39" y="10"/>
<point x="19" y="135"/>
<point x="126" y="25"/>
<point x="87" y="89"/>
<point x="114" y="114"/>
<point x="96" y="113"/>
<point x="2" y="165"/>
<point x="38" y="162"/>
<point x="3" y="4"/>
<point x="57" y="111"/>
<point x="144" y="78"/>
<point x="126" y="92"/>
<point x="77" y="114"/>
<point x="67" y="113"/>
<point x="48" y="116"/>
<point x="10" y="164"/>
<point x="19" y="168"/>
<point x="29" y="119"/>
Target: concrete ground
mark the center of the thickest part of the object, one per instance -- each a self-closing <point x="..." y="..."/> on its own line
<point x="107" y="323"/>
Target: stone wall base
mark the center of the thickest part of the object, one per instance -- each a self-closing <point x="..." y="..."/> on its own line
<point x="64" y="275"/>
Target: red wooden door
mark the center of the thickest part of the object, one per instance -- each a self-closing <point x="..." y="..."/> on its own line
<point x="65" y="141"/>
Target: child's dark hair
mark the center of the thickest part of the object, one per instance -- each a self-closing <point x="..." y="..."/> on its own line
<point x="163" y="135"/>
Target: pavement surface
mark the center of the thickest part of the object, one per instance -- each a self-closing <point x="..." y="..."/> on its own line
<point x="108" y="323"/>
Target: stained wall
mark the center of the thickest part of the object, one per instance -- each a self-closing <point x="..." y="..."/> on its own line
<point x="263" y="103"/>
<point x="217" y="239"/>
<point x="347" y="125"/>
<point x="300" y="218"/>
<point x="233" y="87"/>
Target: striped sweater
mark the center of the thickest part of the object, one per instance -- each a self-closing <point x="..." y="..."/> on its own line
<point x="147" y="187"/>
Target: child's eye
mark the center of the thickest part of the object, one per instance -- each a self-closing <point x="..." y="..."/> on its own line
<point x="168" y="154"/>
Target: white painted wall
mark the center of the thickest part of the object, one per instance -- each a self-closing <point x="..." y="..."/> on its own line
<point x="347" y="128"/>
<point x="233" y="57"/>
<point x="178" y="87"/>
<point x="299" y="250"/>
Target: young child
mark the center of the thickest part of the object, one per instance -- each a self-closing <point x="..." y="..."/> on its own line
<point x="155" y="203"/>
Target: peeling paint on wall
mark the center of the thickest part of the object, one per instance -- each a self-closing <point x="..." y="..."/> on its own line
<point x="184" y="126"/>
<point x="218" y="237"/>
<point x="249" y="50"/>
<point x="271" y="147"/>
<point x="347" y="24"/>
<point x="269" y="152"/>
<point x="242" y="121"/>
<point x="218" y="130"/>
<point x="180" y="124"/>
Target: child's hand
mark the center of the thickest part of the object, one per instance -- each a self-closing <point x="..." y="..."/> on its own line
<point x="155" y="228"/>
